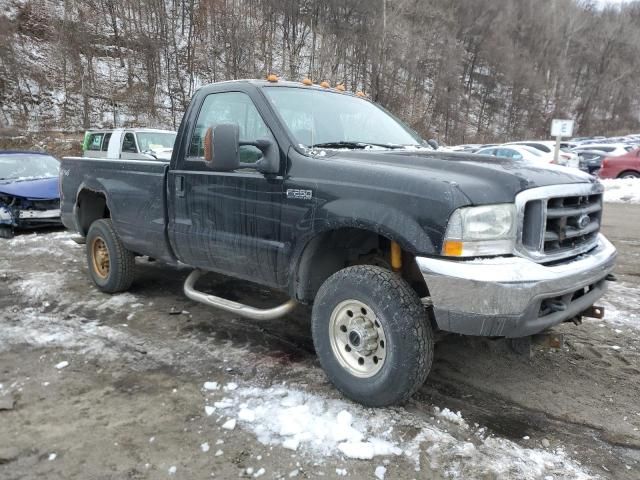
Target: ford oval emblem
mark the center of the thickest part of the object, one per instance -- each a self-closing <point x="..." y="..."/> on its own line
<point x="584" y="221"/>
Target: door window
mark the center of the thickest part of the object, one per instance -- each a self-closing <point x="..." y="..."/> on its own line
<point x="230" y="107"/>
<point x="129" y="143"/>
<point x="95" y="141"/>
<point x="105" y="142"/>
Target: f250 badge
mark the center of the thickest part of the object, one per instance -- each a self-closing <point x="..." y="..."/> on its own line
<point x="299" y="194"/>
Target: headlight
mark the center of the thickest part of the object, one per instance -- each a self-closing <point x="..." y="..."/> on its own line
<point x="478" y="231"/>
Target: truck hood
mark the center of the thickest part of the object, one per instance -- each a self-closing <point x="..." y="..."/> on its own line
<point x="32" y="189"/>
<point x="482" y="179"/>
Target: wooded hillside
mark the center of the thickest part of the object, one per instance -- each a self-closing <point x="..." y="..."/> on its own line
<point x="461" y="70"/>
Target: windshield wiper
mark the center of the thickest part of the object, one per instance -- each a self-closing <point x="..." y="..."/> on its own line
<point x="352" y="144"/>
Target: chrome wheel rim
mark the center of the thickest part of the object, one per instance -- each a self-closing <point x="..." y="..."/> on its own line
<point x="357" y="338"/>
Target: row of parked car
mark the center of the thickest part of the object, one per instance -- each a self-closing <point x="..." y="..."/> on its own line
<point x="615" y="157"/>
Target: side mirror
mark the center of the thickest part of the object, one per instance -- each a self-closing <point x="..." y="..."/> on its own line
<point x="221" y="145"/>
<point x="221" y="150"/>
<point x="433" y="143"/>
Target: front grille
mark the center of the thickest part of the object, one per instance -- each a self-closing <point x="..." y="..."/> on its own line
<point x="560" y="221"/>
<point x="571" y="222"/>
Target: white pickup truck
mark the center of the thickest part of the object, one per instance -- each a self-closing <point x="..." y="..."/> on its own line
<point x="129" y="144"/>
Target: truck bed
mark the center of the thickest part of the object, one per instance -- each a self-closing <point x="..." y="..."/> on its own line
<point x="135" y="195"/>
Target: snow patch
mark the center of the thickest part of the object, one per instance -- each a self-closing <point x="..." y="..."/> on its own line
<point x="229" y="424"/>
<point x="622" y="191"/>
<point x="380" y="472"/>
<point x="320" y="426"/>
<point x="622" y="305"/>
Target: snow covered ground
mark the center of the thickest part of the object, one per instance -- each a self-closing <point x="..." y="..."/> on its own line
<point x="622" y="191"/>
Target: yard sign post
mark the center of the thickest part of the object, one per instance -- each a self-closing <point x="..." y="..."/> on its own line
<point x="559" y="129"/>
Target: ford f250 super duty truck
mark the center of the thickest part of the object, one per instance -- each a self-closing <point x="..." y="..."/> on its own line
<point x="326" y="196"/>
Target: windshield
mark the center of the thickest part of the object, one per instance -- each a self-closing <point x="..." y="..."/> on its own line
<point x="23" y="166"/>
<point x="155" y="140"/>
<point x="316" y="117"/>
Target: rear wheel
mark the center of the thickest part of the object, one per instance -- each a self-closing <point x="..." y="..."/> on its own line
<point x="111" y="265"/>
<point x="629" y="174"/>
<point x="372" y="335"/>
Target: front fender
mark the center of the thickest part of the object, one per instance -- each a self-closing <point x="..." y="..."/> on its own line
<point x="380" y="219"/>
<point x="384" y="220"/>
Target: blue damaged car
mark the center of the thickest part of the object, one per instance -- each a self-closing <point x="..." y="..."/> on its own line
<point x="29" y="194"/>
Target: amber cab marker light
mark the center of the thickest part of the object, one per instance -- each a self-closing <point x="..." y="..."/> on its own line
<point x="452" y="248"/>
<point x="325" y="84"/>
<point x="272" y="77"/>
<point x="307" y="81"/>
<point x="360" y="94"/>
<point x="340" y="87"/>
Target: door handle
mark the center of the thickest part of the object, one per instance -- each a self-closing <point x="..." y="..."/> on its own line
<point x="180" y="185"/>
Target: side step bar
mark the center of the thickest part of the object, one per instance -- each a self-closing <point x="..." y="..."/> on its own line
<point x="233" y="307"/>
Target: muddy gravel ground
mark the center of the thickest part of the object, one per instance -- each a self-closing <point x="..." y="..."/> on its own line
<point x="148" y="384"/>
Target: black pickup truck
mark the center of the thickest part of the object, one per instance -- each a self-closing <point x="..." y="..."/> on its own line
<point x="325" y="195"/>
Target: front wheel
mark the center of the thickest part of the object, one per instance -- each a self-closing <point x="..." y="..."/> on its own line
<point x="372" y="335"/>
<point x="627" y="175"/>
<point x="111" y="265"/>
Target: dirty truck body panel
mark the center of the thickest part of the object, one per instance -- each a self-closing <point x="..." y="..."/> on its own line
<point x="134" y="193"/>
<point x="257" y="226"/>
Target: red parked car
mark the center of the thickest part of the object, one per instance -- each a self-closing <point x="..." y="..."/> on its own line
<point x="623" y="166"/>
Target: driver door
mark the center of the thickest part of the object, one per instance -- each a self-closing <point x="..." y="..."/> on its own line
<point x="228" y="221"/>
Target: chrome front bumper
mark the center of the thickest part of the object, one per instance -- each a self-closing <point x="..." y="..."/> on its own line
<point x="503" y="296"/>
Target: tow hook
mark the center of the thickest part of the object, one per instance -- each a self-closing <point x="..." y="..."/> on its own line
<point x="611" y="278"/>
<point x="593" y="311"/>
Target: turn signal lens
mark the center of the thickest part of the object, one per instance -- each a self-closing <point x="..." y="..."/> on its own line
<point x="307" y="81"/>
<point x="452" y="248"/>
<point x="325" y="84"/>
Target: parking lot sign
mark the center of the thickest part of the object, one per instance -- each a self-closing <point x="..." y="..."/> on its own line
<point x="561" y="128"/>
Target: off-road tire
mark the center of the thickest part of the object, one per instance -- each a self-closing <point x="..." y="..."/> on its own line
<point x="409" y="337"/>
<point x="6" y="232"/>
<point x="121" y="261"/>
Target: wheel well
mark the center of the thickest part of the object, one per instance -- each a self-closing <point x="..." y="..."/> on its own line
<point x="90" y="206"/>
<point x="621" y="174"/>
<point x="334" y="250"/>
